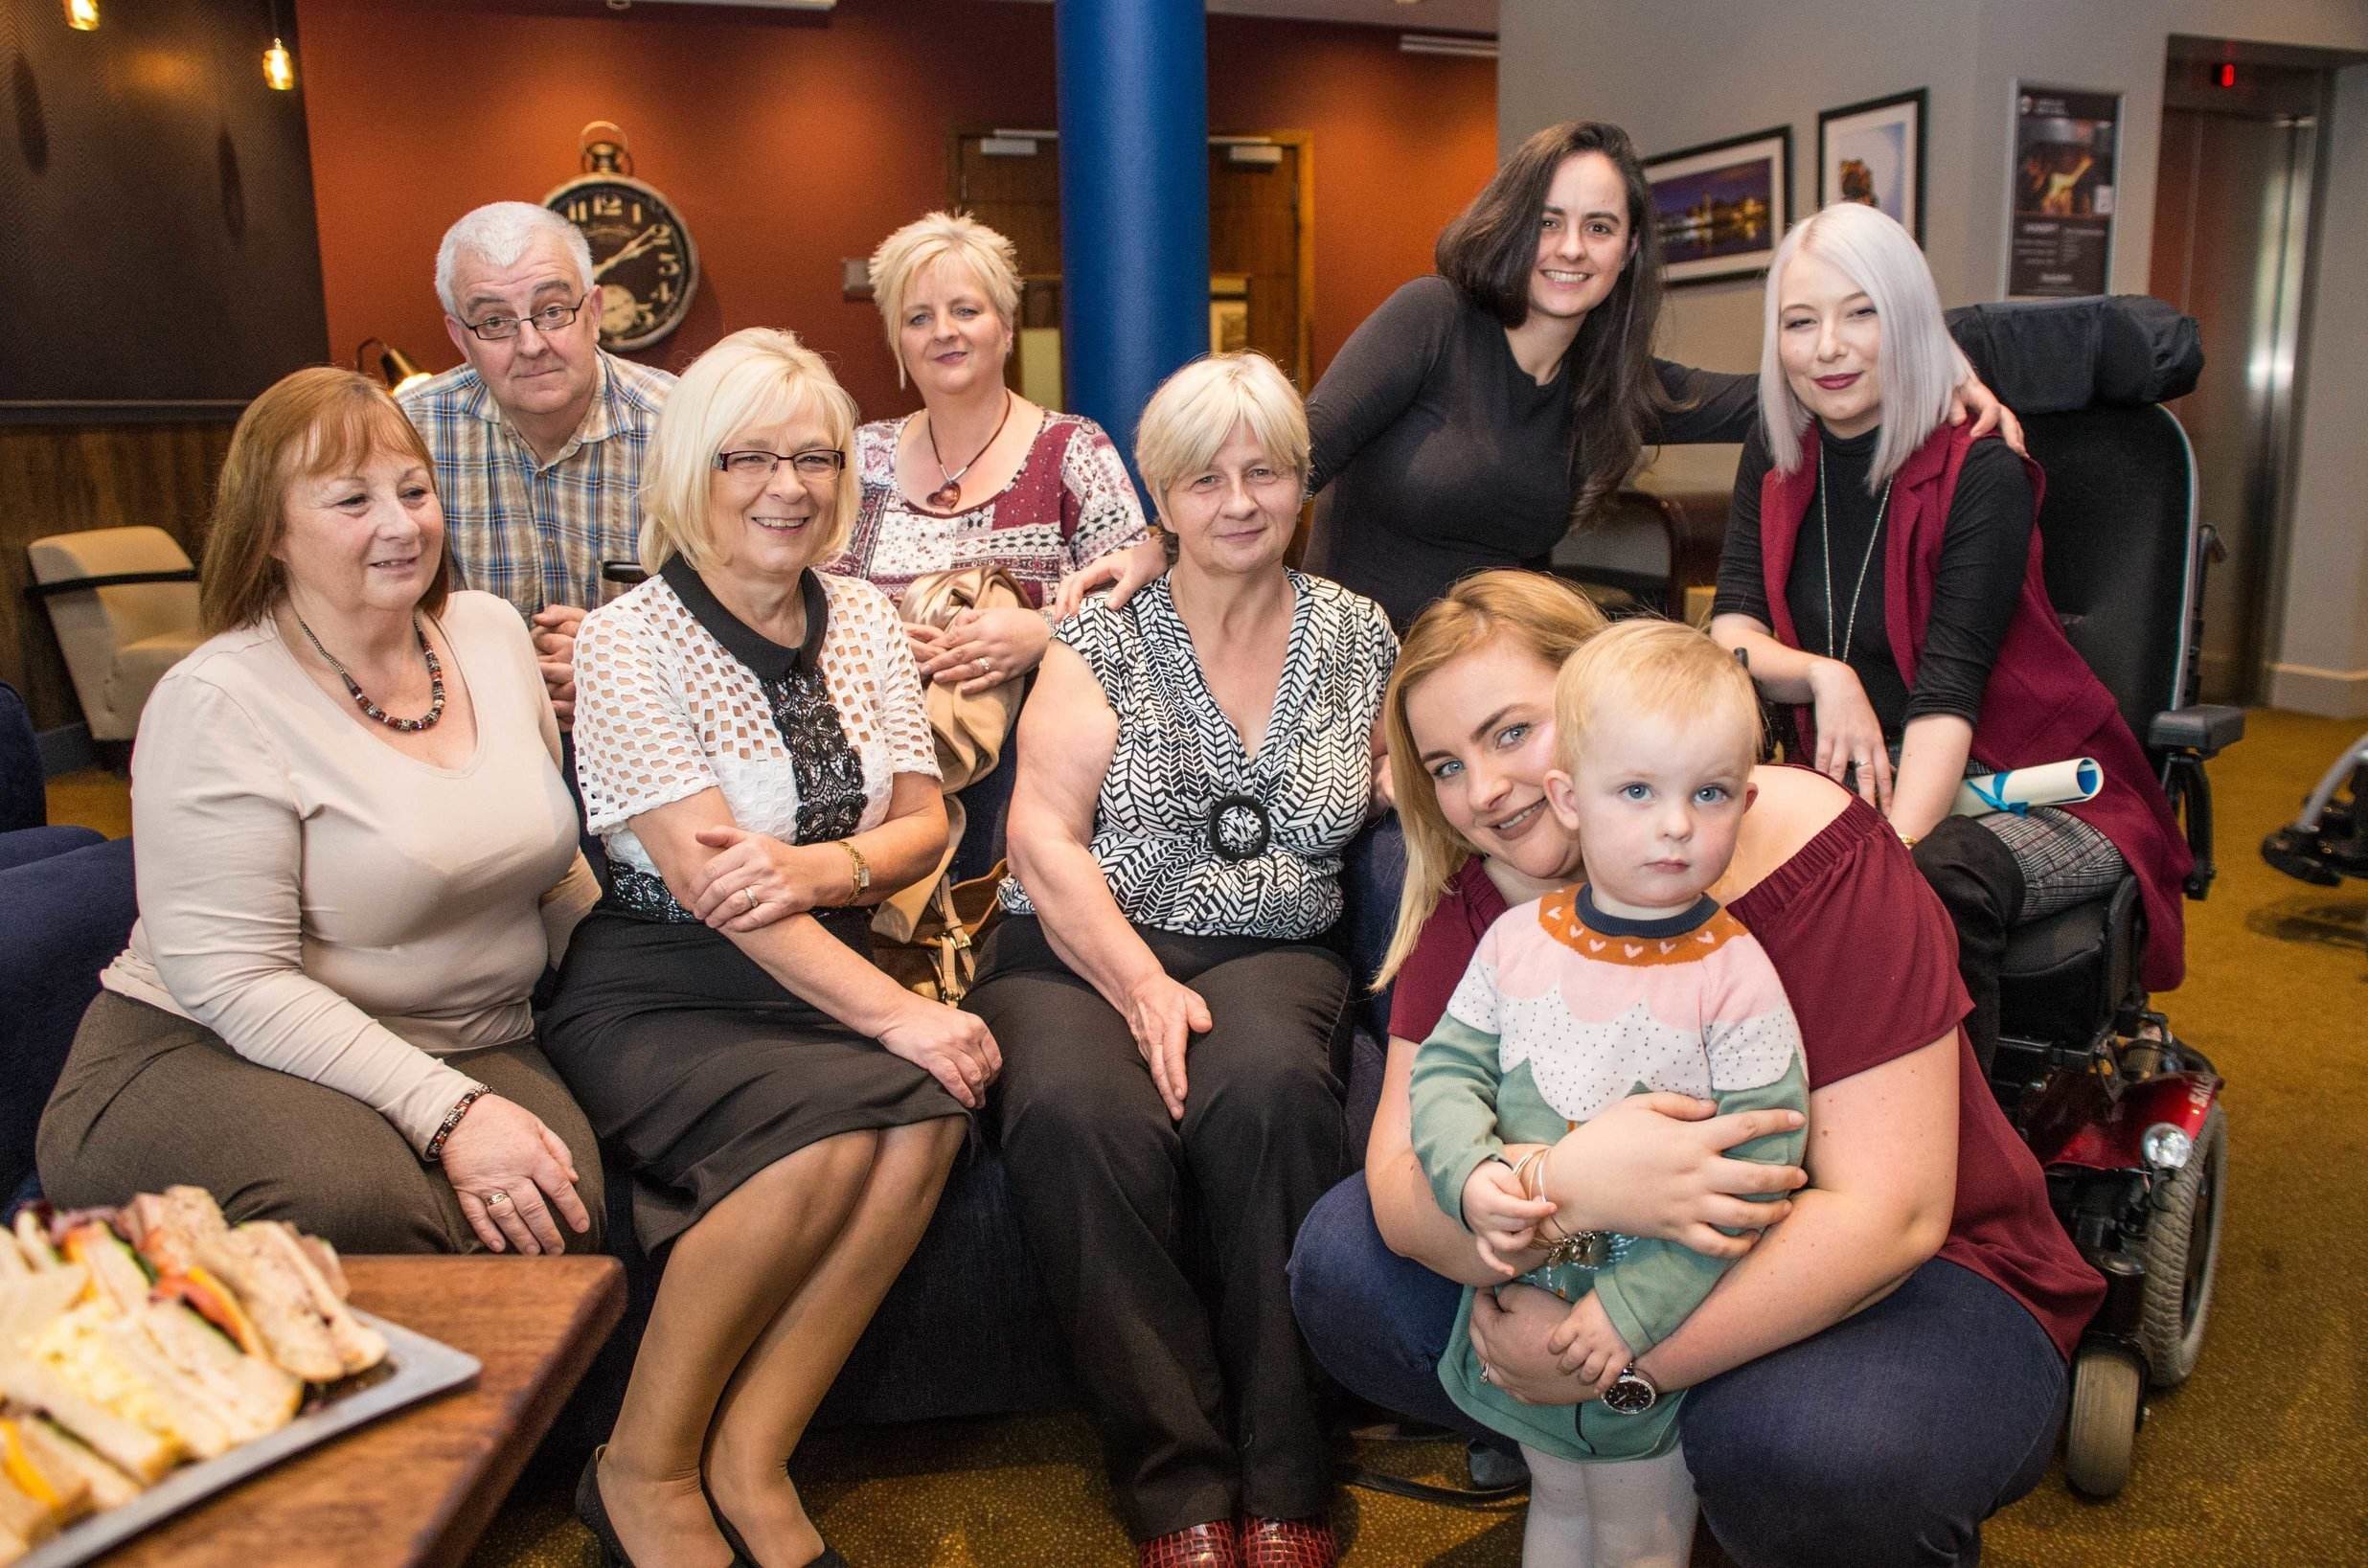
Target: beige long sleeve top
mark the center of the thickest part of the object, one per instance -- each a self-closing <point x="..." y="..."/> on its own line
<point x="332" y="907"/>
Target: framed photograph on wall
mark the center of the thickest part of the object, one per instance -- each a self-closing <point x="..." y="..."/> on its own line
<point x="1721" y="207"/>
<point x="1874" y="152"/>
<point x="2059" y="215"/>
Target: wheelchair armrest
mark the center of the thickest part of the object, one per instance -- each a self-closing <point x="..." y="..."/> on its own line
<point x="2204" y="729"/>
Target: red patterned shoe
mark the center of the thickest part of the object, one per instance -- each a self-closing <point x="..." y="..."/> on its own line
<point x="1288" y="1543"/>
<point x="1213" y="1545"/>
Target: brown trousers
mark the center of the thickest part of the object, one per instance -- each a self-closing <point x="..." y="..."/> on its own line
<point x="148" y="1099"/>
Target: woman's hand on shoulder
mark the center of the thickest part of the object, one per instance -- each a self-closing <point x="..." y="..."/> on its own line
<point x="1657" y="1165"/>
<point x="1164" y="1015"/>
<point x="952" y="1046"/>
<point x="1124" y="571"/>
<point x="513" y="1176"/>
<point x="755" y="878"/>
<point x="1972" y="398"/>
<point x="984" y="648"/>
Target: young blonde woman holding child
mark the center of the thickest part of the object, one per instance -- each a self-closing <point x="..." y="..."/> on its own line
<point x="1633" y="981"/>
<point x="1873" y="1377"/>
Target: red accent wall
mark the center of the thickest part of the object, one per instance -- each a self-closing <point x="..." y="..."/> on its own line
<point x="789" y="140"/>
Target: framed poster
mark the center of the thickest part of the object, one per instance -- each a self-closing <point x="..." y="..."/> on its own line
<point x="1873" y="153"/>
<point x="1721" y="207"/>
<point x="2060" y="222"/>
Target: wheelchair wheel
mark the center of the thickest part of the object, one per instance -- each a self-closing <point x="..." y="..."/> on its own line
<point x="2108" y="1384"/>
<point x="2182" y="1250"/>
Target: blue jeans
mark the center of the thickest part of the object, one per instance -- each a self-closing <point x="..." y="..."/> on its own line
<point x="1885" y="1440"/>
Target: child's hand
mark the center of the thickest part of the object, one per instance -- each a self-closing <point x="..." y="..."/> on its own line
<point x="1588" y="1346"/>
<point x="1500" y="1219"/>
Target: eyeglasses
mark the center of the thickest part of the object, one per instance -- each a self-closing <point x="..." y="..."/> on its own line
<point x="758" y="464"/>
<point x="547" y="320"/>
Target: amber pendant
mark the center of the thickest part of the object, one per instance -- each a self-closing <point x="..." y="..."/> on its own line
<point x="947" y="496"/>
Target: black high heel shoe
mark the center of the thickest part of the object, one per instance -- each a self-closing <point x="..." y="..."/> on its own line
<point x="595" y="1513"/>
<point x="742" y="1558"/>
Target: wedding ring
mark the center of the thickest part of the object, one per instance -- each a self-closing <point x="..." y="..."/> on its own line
<point x="498" y="1195"/>
<point x="750" y="894"/>
<point x="984" y="668"/>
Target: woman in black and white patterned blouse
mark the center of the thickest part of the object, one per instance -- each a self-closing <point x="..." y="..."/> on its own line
<point x="1191" y="767"/>
<point x="755" y="755"/>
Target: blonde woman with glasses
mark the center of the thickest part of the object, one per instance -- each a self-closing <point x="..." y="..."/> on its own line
<point x="753" y="752"/>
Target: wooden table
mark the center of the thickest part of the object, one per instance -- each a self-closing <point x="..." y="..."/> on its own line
<point x="419" y="1486"/>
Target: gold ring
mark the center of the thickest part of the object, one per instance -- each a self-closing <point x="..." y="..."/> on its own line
<point x="498" y="1195"/>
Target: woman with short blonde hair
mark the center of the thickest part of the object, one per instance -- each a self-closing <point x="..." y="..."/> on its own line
<point x="980" y="476"/>
<point x="758" y="376"/>
<point x="1191" y="769"/>
<point x="753" y="752"/>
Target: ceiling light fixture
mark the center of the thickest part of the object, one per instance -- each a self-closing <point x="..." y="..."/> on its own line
<point x="83" y="16"/>
<point x="279" y="71"/>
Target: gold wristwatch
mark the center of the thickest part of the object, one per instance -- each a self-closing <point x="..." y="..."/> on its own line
<point x="860" y="874"/>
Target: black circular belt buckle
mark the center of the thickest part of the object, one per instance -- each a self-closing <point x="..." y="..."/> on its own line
<point x="1239" y="827"/>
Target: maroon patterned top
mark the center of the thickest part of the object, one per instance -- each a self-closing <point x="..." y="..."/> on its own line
<point x="1849" y="921"/>
<point x="1070" y="502"/>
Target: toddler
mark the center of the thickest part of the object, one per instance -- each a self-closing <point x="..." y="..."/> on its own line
<point x="1634" y="981"/>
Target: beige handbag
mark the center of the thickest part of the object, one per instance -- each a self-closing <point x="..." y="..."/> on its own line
<point x="923" y="935"/>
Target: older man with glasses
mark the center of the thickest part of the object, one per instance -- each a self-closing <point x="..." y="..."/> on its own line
<point x="538" y="436"/>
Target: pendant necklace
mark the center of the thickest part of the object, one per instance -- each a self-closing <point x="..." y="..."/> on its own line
<point x="1825" y="529"/>
<point x="949" y="495"/>
<point x="435" y="682"/>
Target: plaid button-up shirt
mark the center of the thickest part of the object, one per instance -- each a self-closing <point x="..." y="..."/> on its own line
<point x="535" y="532"/>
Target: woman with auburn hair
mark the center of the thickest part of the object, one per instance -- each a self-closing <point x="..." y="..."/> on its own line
<point x="1874" y="1374"/>
<point x="1946" y="658"/>
<point x="753" y="756"/>
<point x="356" y="858"/>
<point x="980" y="476"/>
<point x="1191" y="767"/>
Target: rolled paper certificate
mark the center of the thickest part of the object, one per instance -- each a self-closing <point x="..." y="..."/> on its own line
<point x="2051" y="783"/>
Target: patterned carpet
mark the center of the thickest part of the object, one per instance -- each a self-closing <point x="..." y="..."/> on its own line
<point x="2260" y="1461"/>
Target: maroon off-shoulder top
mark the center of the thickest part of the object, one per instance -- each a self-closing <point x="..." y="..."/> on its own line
<point x="1869" y="961"/>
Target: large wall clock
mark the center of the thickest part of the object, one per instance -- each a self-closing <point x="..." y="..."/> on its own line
<point x="645" y="268"/>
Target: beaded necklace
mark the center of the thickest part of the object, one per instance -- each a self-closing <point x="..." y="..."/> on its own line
<point x="353" y="688"/>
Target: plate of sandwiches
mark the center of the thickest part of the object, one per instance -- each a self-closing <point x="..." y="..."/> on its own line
<point x="154" y="1354"/>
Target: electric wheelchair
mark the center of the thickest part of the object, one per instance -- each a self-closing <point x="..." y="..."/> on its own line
<point x="2123" y="1116"/>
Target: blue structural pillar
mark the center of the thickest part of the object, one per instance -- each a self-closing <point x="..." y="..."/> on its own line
<point x="1134" y="200"/>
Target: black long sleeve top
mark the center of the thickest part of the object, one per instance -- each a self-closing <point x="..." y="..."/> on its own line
<point x="1445" y="457"/>
<point x="1981" y="574"/>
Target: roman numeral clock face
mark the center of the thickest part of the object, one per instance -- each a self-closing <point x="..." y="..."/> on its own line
<point x="645" y="268"/>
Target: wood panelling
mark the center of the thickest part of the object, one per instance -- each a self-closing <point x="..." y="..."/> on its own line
<point x="61" y="479"/>
<point x="157" y="202"/>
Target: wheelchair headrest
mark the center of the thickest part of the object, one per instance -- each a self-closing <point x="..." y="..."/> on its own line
<point x="2044" y="356"/>
<point x="2118" y="545"/>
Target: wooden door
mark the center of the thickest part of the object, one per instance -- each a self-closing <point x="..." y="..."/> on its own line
<point x="1261" y="213"/>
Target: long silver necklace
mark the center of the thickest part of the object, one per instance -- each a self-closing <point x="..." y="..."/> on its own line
<point x="1825" y="529"/>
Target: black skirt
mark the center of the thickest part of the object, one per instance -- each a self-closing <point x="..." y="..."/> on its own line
<point x="698" y="1069"/>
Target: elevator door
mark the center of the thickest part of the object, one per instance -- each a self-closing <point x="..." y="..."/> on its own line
<point x="2231" y="229"/>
